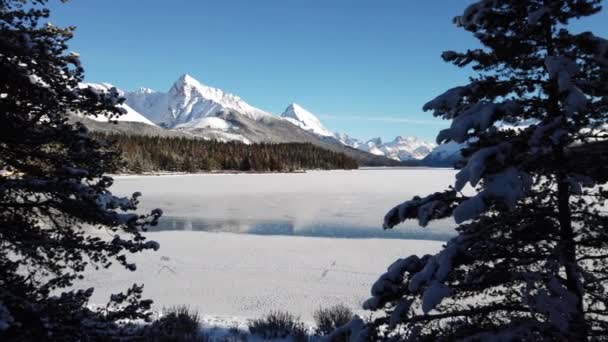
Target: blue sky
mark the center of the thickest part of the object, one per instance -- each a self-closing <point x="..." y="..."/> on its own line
<point x="364" y="67"/>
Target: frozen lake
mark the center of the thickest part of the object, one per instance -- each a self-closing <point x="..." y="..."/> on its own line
<point x="349" y="204"/>
<point x="299" y="243"/>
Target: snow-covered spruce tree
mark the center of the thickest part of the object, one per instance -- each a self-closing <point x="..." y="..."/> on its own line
<point x="56" y="214"/>
<point x="530" y="261"/>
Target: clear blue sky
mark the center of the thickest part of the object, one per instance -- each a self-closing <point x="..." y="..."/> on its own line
<point x="365" y="67"/>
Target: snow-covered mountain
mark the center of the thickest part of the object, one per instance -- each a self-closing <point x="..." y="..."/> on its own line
<point x="408" y="148"/>
<point x="187" y="102"/>
<point x="196" y="108"/>
<point x="191" y="108"/>
<point x="305" y="119"/>
<point x="348" y="140"/>
<point x="401" y="148"/>
<point x="131" y="114"/>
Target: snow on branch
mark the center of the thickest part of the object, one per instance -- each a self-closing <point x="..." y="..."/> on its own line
<point x="479" y="117"/>
<point x="554" y="300"/>
<point x="564" y="69"/>
<point x="425" y="275"/>
<point x="445" y="104"/>
<point x="476" y="164"/>
<point x="466" y="113"/>
<point x="507" y="187"/>
<point x="435" y="206"/>
<point x="354" y="331"/>
<point x="476" y="15"/>
<point x="389" y="284"/>
<point x="542" y="129"/>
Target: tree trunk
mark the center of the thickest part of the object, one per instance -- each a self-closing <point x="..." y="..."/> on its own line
<point x="578" y="329"/>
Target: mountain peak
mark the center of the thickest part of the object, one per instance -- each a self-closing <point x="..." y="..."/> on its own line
<point x="294" y="107"/>
<point x="299" y="116"/>
<point x="189" y="100"/>
<point x="189" y="86"/>
<point x="186" y="80"/>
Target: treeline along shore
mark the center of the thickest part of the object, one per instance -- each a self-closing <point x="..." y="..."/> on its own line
<point x="143" y="154"/>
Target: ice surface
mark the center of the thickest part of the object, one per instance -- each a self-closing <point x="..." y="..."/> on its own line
<point x="351" y="199"/>
<point x="244" y="275"/>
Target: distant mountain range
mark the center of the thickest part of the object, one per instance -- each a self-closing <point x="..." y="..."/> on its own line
<point x="401" y="148"/>
<point x="191" y="108"/>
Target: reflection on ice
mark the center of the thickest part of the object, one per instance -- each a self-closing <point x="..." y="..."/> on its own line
<point x="257" y="227"/>
<point x="318" y="203"/>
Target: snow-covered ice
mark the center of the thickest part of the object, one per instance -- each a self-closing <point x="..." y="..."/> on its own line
<point x="356" y="199"/>
<point x="238" y="276"/>
<point x="231" y="277"/>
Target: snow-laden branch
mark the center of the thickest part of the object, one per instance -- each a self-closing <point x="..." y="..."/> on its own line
<point x="436" y="206"/>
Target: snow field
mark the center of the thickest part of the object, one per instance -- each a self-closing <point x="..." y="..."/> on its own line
<point x="247" y="276"/>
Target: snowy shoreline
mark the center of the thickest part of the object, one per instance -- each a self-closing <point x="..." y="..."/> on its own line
<point x="247" y="276"/>
<point x="237" y="172"/>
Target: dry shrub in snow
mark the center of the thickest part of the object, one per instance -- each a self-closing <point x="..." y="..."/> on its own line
<point x="279" y="324"/>
<point x="177" y="324"/>
<point x="328" y="319"/>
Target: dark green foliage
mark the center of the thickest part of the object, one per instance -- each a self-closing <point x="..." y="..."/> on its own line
<point x="277" y="324"/>
<point x="53" y="191"/>
<point x="328" y="319"/>
<point x="151" y="154"/>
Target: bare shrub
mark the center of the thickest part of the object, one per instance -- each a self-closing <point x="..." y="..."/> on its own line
<point x="178" y="324"/>
<point x="279" y="324"/>
<point x="328" y="319"/>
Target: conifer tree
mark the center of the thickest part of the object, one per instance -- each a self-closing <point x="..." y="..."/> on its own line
<point x="530" y="259"/>
<point x="54" y="195"/>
